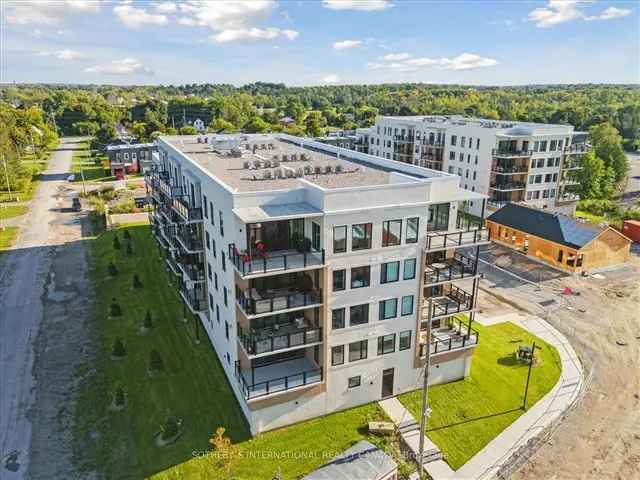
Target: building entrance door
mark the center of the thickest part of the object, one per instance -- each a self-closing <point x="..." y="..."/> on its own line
<point x="387" y="382"/>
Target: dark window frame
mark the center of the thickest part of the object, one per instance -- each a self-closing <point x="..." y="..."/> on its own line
<point x="366" y="240"/>
<point x="404" y="269"/>
<point x="365" y="308"/>
<point x="343" y="273"/>
<point x="382" y="312"/>
<point x="337" y="351"/>
<point x="386" y="235"/>
<point x="406" y="334"/>
<point x="339" y="227"/>
<point x="381" y="344"/>
<point x="384" y="272"/>
<point x="402" y="313"/>
<point x="408" y="239"/>
<point x="362" y="351"/>
<point x="354" y="382"/>
<point x="363" y="268"/>
<point x="343" y="314"/>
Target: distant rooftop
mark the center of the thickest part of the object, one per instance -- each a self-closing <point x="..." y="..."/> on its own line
<point x="124" y="146"/>
<point x="256" y="162"/>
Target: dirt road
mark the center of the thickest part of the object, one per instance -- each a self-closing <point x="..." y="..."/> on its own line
<point x="600" y="439"/>
<point x="42" y="330"/>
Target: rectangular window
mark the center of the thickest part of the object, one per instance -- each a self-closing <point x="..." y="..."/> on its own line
<point x="538" y="178"/>
<point x="548" y="177"/>
<point x="209" y="271"/>
<point x="218" y="313"/>
<point x="359" y="314"/>
<point x="354" y="381"/>
<point x="463" y="141"/>
<point x="226" y="297"/>
<point x="213" y="222"/>
<point x="337" y="355"/>
<point x="391" y="233"/>
<point x="221" y="224"/>
<point x="405" y="340"/>
<point x="361" y="236"/>
<point x="224" y="262"/>
<point x="407" y="305"/>
<point x="340" y="239"/>
<point x="388" y="309"/>
<point x="387" y="344"/>
<point x="549" y="162"/>
<point x="360" y="277"/>
<point x="213" y="247"/>
<point x="552" y="145"/>
<point x="211" y="301"/>
<point x="389" y="272"/>
<point x="540" y="162"/>
<point x="207" y="239"/>
<point x="339" y="280"/>
<point x="452" y="155"/>
<point x="215" y="280"/>
<point x="454" y="138"/>
<point x="409" y="269"/>
<point x="337" y="318"/>
<point x="477" y="145"/>
<point x="358" y="350"/>
<point x="315" y="236"/>
<point x="226" y="330"/>
<point x="206" y="206"/>
<point x="543" y="146"/>
<point x="412" y="230"/>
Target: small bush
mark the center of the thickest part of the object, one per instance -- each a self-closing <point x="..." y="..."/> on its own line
<point x="116" y="243"/>
<point x="118" y="397"/>
<point x="114" y="308"/>
<point x="136" y="281"/>
<point x="113" y="270"/>
<point x="169" y="428"/>
<point x="148" y="323"/>
<point x="129" y="249"/>
<point x="118" y="350"/>
<point x="156" y="364"/>
<point x="127" y="235"/>
<point x="125" y="206"/>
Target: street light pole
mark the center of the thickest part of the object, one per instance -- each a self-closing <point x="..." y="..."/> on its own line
<point x="425" y="391"/>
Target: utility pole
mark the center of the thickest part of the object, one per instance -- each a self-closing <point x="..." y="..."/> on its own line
<point x="6" y="176"/>
<point x="526" y="388"/>
<point x="426" y="411"/>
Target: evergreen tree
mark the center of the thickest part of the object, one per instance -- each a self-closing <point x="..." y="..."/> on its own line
<point x="119" y="397"/>
<point x="114" y="308"/>
<point x="116" y="242"/>
<point x="113" y="270"/>
<point x="156" y="364"/>
<point x="148" y="323"/>
<point x="136" y="281"/>
<point x="118" y="349"/>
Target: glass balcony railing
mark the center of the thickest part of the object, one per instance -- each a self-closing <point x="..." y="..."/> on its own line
<point x="459" y="238"/>
<point x="254" y="303"/>
<point x="247" y="263"/>
<point x="286" y="336"/>
<point x="269" y="386"/>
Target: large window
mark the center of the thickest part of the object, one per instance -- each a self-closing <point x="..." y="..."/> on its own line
<point x="407" y="305"/>
<point x="387" y="344"/>
<point x="358" y="351"/>
<point x="391" y="232"/>
<point x="337" y="318"/>
<point x="388" y="309"/>
<point x="405" y="340"/>
<point x="389" y="272"/>
<point x="354" y="381"/>
<point x="339" y="280"/>
<point x="337" y="355"/>
<point x="409" y="269"/>
<point x="360" y="277"/>
<point x="438" y="217"/>
<point x="412" y="230"/>
<point x="361" y="236"/>
<point x="340" y="239"/>
<point x="359" y="314"/>
<point x="315" y="236"/>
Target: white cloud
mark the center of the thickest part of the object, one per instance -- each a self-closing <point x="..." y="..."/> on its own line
<point x="46" y="12"/>
<point x="66" y="54"/>
<point x="135" y="18"/>
<point x="332" y="78"/>
<point x="126" y="66"/>
<point x="563" y="11"/>
<point x="406" y="63"/>
<point x="393" y="57"/>
<point x="347" y="44"/>
<point x="165" y="7"/>
<point x="362" y="5"/>
<point x="253" y="34"/>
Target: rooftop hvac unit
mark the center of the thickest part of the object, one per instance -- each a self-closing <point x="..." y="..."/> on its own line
<point x="294" y="157"/>
<point x="285" y="157"/>
<point x="263" y="146"/>
<point x="256" y="164"/>
<point x="303" y="157"/>
<point x="266" y="175"/>
<point x="276" y="163"/>
<point x="271" y="146"/>
<point x="236" y="153"/>
<point x="290" y="173"/>
<point x="299" y="172"/>
<point x="280" y="173"/>
<point x="317" y="170"/>
<point x="246" y="165"/>
<point x="338" y="168"/>
<point x="328" y="169"/>
<point x="267" y="164"/>
<point x="308" y="170"/>
<point x="275" y="157"/>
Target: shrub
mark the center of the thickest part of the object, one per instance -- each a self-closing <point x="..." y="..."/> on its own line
<point x="114" y="308"/>
<point x="136" y="281"/>
<point x="129" y="249"/>
<point x="116" y="243"/>
<point x="125" y="206"/>
<point x="169" y="428"/>
<point x="147" y="323"/>
<point x="118" y="349"/>
<point x="118" y="397"/>
<point x="113" y="270"/>
<point x="155" y="361"/>
<point x="127" y="235"/>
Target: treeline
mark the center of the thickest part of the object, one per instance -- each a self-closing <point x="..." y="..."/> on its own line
<point x="260" y="106"/>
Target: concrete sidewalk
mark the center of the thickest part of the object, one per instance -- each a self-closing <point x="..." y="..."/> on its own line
<point x="487" y="462"/>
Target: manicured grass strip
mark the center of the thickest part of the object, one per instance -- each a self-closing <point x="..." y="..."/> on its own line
<point x="295" y="450"/>
<point x="12" y="211"/>
<point x="193" y="388"/>
<point x="82" y="163"/>
<point x="7" y="237"/>
<point x="469" y="413"/>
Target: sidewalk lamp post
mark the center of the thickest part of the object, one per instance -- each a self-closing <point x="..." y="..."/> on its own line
<point x="531" y="360"/>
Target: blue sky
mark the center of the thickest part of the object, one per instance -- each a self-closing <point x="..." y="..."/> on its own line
<point x="320" y="42"/>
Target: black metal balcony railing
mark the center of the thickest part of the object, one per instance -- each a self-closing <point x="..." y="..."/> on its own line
<point x="456" y="268"/>
<point x="404" y="138"/>
<point x="276" y="385"/>
<point x="571" y="165"/>
<point x="173" y="265"/>
<point x="508" y="186"/>
<point x="453" y="300"/>
<point x="185" y="210"/>
<point x="437" y="144"/>
<point x="191" y="241"/>
<point x="277" y="301"/>
<point x="270" y="340"/>
<point x="248" y="264"/>
<point x="193" y="271"/>
<point x="509" y="169"/>
<point x="497" y="152"/>
<point x="194" y="297"/>
<point x="577" y="148"/>
<point x="455" y="338"/>
<point x="442" y="240"/>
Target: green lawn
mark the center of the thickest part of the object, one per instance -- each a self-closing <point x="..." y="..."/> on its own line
<point x="7" y="237"/>
<point x="83" y="163"/>
<point x="34" y="167"/>
<point x="11" y="211"/>
<point x="193" y="387"/>
<point x="598" y="219"/>
<point x="469" y="413"/>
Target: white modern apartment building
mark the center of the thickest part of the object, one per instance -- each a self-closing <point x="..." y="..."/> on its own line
<point x="509" y="161"/>
<point x="314" y="270"/>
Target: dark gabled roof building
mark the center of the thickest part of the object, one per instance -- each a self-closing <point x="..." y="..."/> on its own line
<point x="557" y="239"/>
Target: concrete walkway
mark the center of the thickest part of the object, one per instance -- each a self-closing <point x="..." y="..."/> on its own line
<point x="486" y="463"/>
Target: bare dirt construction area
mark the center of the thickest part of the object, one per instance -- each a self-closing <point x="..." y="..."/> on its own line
<point x="600" y="438"/>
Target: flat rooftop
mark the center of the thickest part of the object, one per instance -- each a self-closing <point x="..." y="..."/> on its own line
<point x="452" y="120"/>
<point x="255" y="163"/>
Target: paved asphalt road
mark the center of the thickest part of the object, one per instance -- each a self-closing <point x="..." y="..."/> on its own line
<point x="23" y="276"/>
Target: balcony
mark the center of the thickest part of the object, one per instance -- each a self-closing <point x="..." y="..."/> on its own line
<point x="261" y="381"/>
<point x="190" y="238"/>
<point x="195" y="298"/>
<point x="254" y="302"/>
<point x="298" y="333"/>
<point x="173" y="265"/>
<point x="567" y="197"/>
<point x="499" y="153"/>
<point x="448" y="300"/>
<point x="404" y="138"/>
<point x="571" y="165"/>
<point x="183" y="207"/>
<point x="459" y="238"/>
<point x="577" y="148"/>
<point x="433" y="143"/>
<point x="508" y="186"/>
<point x="456" y="268"/>
<point x="257" y="263"/>
<point x="454" y="336"/>
<point x="509" y="169"/>
<point x="191" y="270"/>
